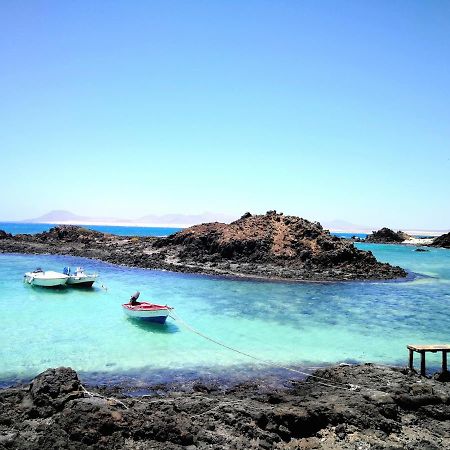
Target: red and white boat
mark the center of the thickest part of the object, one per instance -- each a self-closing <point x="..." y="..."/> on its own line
<point x="147" y="311"/>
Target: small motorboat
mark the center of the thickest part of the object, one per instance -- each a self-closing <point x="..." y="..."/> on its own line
<point x="79" y="278"/>
<point x="149" y="312"/>
<point x="47" y="278"/>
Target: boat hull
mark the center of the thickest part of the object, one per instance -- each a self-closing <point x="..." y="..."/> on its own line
<point x="84" y="281"/>
<point x="46" y="281"/>
<point x="147" y="312"/>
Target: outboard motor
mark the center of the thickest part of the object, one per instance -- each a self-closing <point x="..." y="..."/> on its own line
<point x="66" y="271"/>
<point x="135" y="296"/>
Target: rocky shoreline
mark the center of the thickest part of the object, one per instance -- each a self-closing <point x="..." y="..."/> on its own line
<point x="442" y="241"/>
<point x="345" y="407"/>
<point x="271" y="246"/>
<point x="388" y="236"/>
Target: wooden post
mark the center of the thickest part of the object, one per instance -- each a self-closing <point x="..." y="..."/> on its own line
<point x="411" y="359"/>
<point x="423" y="349"/>
<point x="422" y="363"/>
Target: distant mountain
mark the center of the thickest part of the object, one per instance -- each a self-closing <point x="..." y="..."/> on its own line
<point x="56" y="216"/>
<point x="61" y="216"/>
<point x="176" y="220"/>
<point x="187" y="219"/>
<point x="343" y="225"/>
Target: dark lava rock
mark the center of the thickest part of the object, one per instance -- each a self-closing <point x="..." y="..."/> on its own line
<point x="53" y="388"/>
<point x="297" y="247"/>
<point x="68" y="233"/>
<point x="442" y="241"/>
<point x="387" y="236"/>
<point x="270" y="246"/>
<point x="349" y="407"/>
<point x="421" y="250"/>
<point x="4" y="234"/>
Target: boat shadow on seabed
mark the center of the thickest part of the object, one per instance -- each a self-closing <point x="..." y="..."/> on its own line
<point x="155" y="328"/>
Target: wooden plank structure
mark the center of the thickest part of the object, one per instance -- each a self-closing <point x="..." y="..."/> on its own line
<point x="422" y="349"/>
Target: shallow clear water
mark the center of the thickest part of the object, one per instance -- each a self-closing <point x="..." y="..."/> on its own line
<point x="288" y="323"/>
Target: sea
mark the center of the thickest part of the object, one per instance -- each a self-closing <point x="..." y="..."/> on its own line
<point x="33" y="228"/>
<point x="281" y="325"/>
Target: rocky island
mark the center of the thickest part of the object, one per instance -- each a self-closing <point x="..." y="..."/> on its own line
<point x="387" y="236"/>
<point x="270" y="246"/>
<point x="348" y="407"/>
<point x="441" y="241"/>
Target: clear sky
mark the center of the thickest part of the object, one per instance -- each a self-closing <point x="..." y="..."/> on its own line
<point x="323" y="109"/>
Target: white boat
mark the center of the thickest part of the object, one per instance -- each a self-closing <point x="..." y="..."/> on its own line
<point x="47" y="278"/>
<point x="80" y="278"/>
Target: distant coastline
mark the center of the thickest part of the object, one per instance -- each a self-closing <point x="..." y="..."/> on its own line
<point x="108" y="224"/>
<point x="134" y="224"/>
<point x="182" y="220"/>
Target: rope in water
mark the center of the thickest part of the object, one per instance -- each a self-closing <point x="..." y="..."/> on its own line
<point x="352" y="387"/>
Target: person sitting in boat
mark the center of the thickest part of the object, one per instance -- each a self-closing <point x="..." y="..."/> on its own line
<point x="133" y="299"/>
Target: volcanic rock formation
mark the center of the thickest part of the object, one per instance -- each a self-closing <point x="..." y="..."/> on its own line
<point x="287" y="245"/>
<point x="442" y="241"/>
<point x="387" y="236"/>
<point x="357" y="407"/>
<point x="4" y="234"/>
<point x="270" y="246"/>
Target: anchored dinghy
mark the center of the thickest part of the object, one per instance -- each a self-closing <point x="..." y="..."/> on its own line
<point x="146" y="311"/>
<point x="80" y="278"/>
<point x="47" y="278"/>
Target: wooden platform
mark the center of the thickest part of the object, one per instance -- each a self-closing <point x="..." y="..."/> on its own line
<point x="422" y="349"/>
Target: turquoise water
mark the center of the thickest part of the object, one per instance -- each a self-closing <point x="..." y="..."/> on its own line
<point x="33" y="228"/>
<point x="287" y="323"/>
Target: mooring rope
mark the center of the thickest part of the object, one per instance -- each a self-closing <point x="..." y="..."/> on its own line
<point x="352" y="387"/>
<point x="94" y="394"/>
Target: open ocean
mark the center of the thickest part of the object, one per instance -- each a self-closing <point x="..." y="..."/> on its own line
<point x="33" y="228"/>
<point x="295" y="324"/>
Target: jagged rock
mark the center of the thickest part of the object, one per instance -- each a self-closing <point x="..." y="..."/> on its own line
<point x="387" y="236"/>
<point x="4" y="234"/>
<point x="292" y="244"/>
<point x="68" y="233"/>
<point x="442" y="241"/>
<point x="374" y="407"/>
<point x="54" y="387"/>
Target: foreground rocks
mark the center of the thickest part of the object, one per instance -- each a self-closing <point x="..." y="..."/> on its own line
<point x="271" y="246"/>
<point x="387" y="236"/>
<point x="358" y="407"/>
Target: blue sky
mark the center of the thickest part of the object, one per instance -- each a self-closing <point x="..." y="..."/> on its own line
<point x="322" y="109"/>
